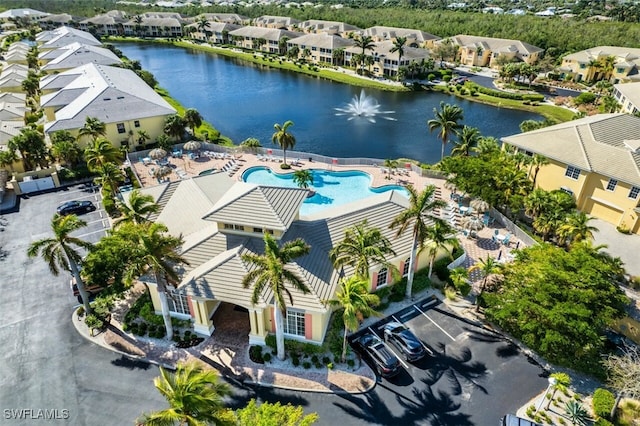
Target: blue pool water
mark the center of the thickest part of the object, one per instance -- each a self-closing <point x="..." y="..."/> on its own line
<point x="332" y="188"/>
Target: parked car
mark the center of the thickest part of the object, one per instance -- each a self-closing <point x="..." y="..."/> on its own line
<point x="404" y="340"/>
<point x="384" y="360"/>
<point x="75" y="207"/>
<point x="512" y="420"/>
<point x="616" y="342"/>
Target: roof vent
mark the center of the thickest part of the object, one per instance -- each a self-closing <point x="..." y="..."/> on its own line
<point x="633" y="145"/>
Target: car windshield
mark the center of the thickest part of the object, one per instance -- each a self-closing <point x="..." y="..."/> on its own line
<point x="410" y="339"/>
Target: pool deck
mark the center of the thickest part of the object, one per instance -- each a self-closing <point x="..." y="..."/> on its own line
<point x="478" y="248"/>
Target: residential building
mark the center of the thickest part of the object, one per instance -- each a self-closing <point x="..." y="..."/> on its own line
<point x="155" y="24"/>
<point x="115" y="96"/>
<point x="478" y="51"/>
<point x="224" y="18"/>
<point x="16" y="54"/>
<point x="63" y="36"/>
<point x="12" y="111"/>
<point x="215" y="33"/>
<point x="221" y="219"/>
<point x="110" y="23"/>
<point x="261" y="38"/>
<point x="415" y="38"/>
<point x="24" y="13"/>
<point x="12" y="76"/>
<point x="51" y="22"/>
<point x="8" y="130"/>
<point x="617" y="64"/>
<point x="596" y="159"/>
<point x="275" y="22"/>
<point x="75" y="55"/>
<point x="628" y="96"/>
<point x="313" y="26"/>
<point x="387" y="63"/>
<point x="321" y="47"/>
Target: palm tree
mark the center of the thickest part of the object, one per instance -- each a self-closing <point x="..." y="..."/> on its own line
<point x="398" y="46"/>
<point x="440" y="237"/>
<point x="110" y="176"/>
<point x="460" y="278"/>
<point x="174" y="126"/>
<point x="137" y="209"/>
<point x="417" y="216"/>
<point x="361" y="248"/>
<point x="100" y="152"/>
<point x="488" y="267"/>
<point x="283" y="138"/>
<point x="469" y="137"/>
<point x="576" y="229"/>
<point x="137" y="20"/>
<point x="192" y="119"/>
<point x="143" y="137"/>
<point x="203" y="25"/>
<point x="303" y="178"/>
<point x="446" y="121"/>
<point x="195" y="397"/>
<point x="7" y="158"/>
<point x="270" y="269"/>
<point x="391" y="165"/>
<point x="536" y="162"/>
<point x="59" y="251"/>
<point x="338" y="56"/>
<point x="353" y="296"/>
<point x="65" y="148"/>
<point x="364" y="43"/>
<point x="561" y="383"/>
<point x="157" y="253"/>
<point x="93" y="128"/>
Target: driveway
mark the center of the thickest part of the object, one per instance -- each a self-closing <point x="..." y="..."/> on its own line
<point x="473" y="376"/>
<point x="626" y="247"/>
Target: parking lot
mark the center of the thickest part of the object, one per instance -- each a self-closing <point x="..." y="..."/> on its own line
<point x="471" y="375"/>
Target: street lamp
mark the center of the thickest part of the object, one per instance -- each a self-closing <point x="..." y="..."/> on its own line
<point x="552" y="382"/>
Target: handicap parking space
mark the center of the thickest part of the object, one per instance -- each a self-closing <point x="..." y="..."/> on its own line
<point x="471" y="373"/>
<point x="97" y="220"/>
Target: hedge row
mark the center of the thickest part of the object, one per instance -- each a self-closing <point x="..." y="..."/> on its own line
<point x="507" y="95"/>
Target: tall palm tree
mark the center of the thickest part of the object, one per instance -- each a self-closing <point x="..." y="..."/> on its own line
<point x="93" y="128"/>
<point x="100" y="152"/>
<point x="195" y="397"/>
<point x="60" y="252"/>
<point x="576" y="229"/>
<point x="303" y="178"/>
<point x="110" y="176"/>
<point x="353" y="296"/>
<point x="338" y="56"/>
<point x="365" y="43"/>
<point x="446" y="121"/>
<point x="192" y="119"/>
<point x="283" y="138"/>
<point x="361" y="248"/>
<point x="417" y="216"/>
<point x="174" y="127"/>
<point x="398" y="46"/>
<point x="271" y="270"/>
<point x="440" y="236"/>
<point x="536" y="162"/>
<point x="137" y="209"/>
<point x="488" y="267"/>
<point x="157" y="252"/>
<point x="469" y="138"/>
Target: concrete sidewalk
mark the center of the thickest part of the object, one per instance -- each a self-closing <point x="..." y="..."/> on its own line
<point x="233" y="363"/>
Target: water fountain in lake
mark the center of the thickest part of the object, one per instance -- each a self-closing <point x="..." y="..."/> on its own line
<point x="364" y="106"/>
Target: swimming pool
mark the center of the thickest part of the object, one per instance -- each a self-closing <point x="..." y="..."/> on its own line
<point x="332" y="188"/>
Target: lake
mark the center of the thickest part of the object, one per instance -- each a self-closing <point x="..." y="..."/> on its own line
<point x="244" y="100"/>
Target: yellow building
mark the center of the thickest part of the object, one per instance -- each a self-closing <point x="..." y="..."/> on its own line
<point x="115" y="96"/>
<point x="222" y="219"/>
<point x="596" y="159"/>
<point x="618" y="64"/>
<point x="478" y="51"/>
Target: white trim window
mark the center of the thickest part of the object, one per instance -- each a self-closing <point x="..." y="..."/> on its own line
<point x="405" y="269"/>
<point x="572" y="172"/>
<point x="381" y="279"/>
<point x="634" y="192"/>
<point x="178" y="302"/>
<point x="294" y="323"/>
<point x="611" y="186"/>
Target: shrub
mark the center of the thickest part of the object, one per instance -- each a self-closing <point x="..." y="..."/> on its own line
<point x="266" y="357"/>
<point x="602" y="422"/>
<point x="284" y="166"/>
<point x="317" y="365"/>
<point x="351" y="363"/>
<point x="585" y="98"/>
<point x="530" y="410"/>
<point x="330" y="366"/>
<point x="603" y="402"/>
<point x="446" y="78"/>
<point x="314" y="359"/>
<point x="450" y="293"/>
<point x="94" y="322"/>
<point x="326" y="360"/>
<point x="295" y="361"/>
<point x="306" y="365"/>
<point x="561" y="421"/>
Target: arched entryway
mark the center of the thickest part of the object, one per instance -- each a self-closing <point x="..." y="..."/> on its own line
<point x="232" y="326"/>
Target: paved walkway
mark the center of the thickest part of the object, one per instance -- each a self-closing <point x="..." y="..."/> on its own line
<point x="626" y="247"/>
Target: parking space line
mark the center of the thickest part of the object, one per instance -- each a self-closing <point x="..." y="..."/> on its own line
<point x="435" y="323"/>
<point x="426" y="348"/>
<point x="404" y="364"/>
<point x="90" y="233"/>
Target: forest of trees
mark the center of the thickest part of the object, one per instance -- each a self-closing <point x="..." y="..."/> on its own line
<point x="556" y="35"/>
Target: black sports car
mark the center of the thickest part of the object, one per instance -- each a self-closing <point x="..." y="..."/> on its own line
<point x="75" y="207"/>
<point x="404" y="340"/>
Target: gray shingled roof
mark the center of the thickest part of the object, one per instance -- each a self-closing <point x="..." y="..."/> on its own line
<point x="322" y="40"/>
<point x="496" y="44"/>
<point x="595" y="144"/>
<point x="76" y="54"/>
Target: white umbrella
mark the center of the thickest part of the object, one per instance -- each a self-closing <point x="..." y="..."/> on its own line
<point x="472" y="223"/>
<point x="157" y="153"/>
<point x="161" y="172"/>
<point x="479" y="205"/>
